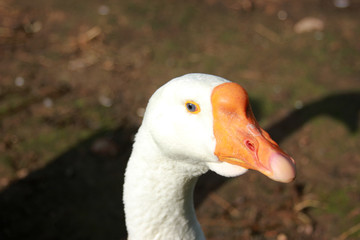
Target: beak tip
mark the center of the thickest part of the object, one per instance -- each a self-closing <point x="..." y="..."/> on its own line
<point x="283" y="168"/>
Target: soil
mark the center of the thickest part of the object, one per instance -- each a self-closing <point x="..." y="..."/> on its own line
<point x="75" y="78"/>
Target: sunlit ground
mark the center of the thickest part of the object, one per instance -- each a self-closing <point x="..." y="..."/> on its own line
<point x="75" y="77"/>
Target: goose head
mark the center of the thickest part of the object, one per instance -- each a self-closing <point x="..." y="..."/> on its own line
<point x="207" y="121"/>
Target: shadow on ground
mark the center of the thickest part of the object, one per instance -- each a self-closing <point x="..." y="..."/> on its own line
<point x="79" y="194"/>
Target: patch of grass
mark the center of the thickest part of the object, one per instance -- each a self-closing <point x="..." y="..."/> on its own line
<point x="5" y="164"/>
<point x="210" y="64"/>
<point x="186" y="16"/>
<point x="337" y="202"/>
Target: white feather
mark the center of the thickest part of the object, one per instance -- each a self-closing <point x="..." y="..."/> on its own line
<point x="172" y="149"/>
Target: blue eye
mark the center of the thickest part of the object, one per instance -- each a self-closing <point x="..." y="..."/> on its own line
<point x="192" y="107"/>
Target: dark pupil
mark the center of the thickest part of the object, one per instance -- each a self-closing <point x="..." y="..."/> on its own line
<point x="191" y="107"/>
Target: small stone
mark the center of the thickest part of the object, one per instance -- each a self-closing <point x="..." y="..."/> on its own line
<point x="4" y="182"/>
<point x="22" y="173"/>
<point x="281" y="236"/>
<point x="298" y="104"/>
<point x="309" y="24"/>
<point x="36" y="26"/>
<point x="341" y="3"/>
<point x="140" y="112"/>
<point x="19" y="81"/>
<point x="103" y="10"/>
<point x="105" y="101"/>
<point x="48" y="102"/>
<point x="282" y="15"/>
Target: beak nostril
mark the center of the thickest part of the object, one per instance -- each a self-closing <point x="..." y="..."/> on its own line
<point x="250" y="145"/>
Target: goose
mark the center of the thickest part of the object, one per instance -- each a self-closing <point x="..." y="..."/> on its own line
<point x="192" y="124"/>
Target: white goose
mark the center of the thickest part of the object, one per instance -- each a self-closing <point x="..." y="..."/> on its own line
<point x="192" y="124"/>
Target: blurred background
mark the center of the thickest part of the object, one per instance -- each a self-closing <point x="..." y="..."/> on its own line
<point x="75" y="78"/>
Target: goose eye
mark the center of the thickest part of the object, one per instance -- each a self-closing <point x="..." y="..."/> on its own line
<point x="192" y="107"/>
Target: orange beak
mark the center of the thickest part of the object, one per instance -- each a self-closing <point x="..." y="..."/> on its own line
<point x="239" y="138"/>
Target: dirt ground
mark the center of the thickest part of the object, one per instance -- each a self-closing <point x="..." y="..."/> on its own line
<point x="75" y="77"/>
